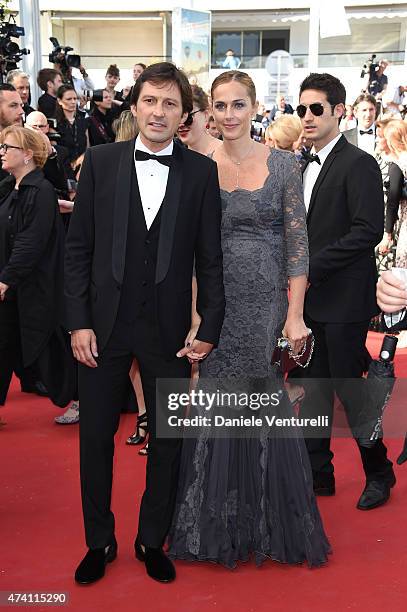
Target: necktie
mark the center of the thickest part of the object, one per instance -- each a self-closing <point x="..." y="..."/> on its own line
<point x="361" y="132"/>
<point x="144" y="156"/>
<point x="310" y="157"/>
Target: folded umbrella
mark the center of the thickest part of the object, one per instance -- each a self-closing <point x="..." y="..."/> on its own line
<point x="379" y="386"/>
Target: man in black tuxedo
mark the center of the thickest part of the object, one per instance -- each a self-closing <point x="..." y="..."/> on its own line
<point x="344" y="200"/>
<point x="364" y="135"/>
<point x="144" y="210"/>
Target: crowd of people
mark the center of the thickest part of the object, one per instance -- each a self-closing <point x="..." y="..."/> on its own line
<point x="232" y="239"/>
<point x="72" y="115"/>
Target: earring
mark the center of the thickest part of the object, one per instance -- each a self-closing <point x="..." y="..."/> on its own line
<point x="26" y="162"/>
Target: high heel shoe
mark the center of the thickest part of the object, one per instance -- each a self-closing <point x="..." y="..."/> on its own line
<point x="144" y="451"/>
<point x="141" y="426"/>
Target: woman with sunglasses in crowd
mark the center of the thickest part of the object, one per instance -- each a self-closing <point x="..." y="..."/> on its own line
<point x="194" y="132"/>
<point x="31" y="262"/>
<point x="72" y="124"/>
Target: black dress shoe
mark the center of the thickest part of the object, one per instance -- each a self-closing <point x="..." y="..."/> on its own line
<point x="92" y="566"/>
<point x="376" y="493"/>
<point x="37" y="387"/>
<point x="158" y="566"/>
<point x="324" y="484"/>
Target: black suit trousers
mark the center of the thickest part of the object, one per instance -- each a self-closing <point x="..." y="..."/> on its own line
<point x="339" y="354"/>
<point x="102" y="392"/>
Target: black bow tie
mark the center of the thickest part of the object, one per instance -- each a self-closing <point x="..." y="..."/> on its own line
<point x="361" y="132"/>
<point x="310" y="157"/>
<point x="144" y="156"/>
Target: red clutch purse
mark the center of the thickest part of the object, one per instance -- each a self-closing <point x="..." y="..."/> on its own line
<point x="284" y="358"/>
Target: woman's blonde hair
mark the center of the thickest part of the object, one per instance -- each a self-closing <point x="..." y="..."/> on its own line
<point x="125" y="126"/>
<point x="238" y="76"/>
<point x="28" y="140"/>
<point x="395" y="133"/>
<point x="285" y="131"/>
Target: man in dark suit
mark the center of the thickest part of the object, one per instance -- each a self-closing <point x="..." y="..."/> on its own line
<point x="344" y="199"/>
<point x="364" y="135"/>
<point x="144" y="210"/>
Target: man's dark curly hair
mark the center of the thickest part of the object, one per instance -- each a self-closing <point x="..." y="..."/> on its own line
<point x="328" y="84"/>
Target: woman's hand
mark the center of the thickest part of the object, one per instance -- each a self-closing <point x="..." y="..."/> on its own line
<point x="385" y="245"/>
<point x="192" y="333"/>
<point x="297" y="333"/>
<point x="3" y="289"/>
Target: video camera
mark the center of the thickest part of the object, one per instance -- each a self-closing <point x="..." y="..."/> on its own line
<point x="60" y="55"/>
<point x="370" y="68"/>
<point x="10" y="52"/>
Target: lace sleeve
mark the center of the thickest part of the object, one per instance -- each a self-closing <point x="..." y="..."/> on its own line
<point x="295" y="225"/>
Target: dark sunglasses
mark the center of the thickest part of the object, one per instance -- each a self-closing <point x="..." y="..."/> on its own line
<point x="317" y="109"/>
<point x="5" y="147"/>
<point x="190" y="119"/>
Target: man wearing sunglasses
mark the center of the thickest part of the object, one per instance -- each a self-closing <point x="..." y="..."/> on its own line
<point x="344" y="200"/>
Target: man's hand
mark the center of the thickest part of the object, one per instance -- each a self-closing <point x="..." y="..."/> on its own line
<point x="3" y="289"/>
<point x="391" y="293"/>
<point x="196" y="351"/>
<point x="65" y="206"/>
<point x="84" y="347"/>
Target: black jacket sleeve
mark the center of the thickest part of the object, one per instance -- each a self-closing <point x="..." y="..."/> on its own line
<point x="79" y="251"/>
<point x="210" y="303"/>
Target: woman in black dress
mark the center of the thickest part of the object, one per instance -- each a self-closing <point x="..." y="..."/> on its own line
<point x="100" y="120"/>
<point x="72" y="124"/>
<point x="31" y="265"/>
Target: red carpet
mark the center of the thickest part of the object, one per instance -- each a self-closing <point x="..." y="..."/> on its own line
<point x="42" y="536"/>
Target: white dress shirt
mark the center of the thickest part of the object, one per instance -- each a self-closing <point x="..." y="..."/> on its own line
<point x="152" y="180"/>
<point x="367" y="142"/>
<point x="313" y="169"/>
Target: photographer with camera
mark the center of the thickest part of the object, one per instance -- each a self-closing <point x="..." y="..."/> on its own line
<point x="378" y="81"/>
<point x="72" y="124"/>
<point x="21" y="82"/>
<point x="83" y="85"/>
<point x="49" y="81"/>
<point x="64" y="62"/>
<point x="101" y="118"/>
<point x="10" y="52"/>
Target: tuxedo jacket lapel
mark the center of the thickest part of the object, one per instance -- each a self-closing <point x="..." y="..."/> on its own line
<point x="169" y="210"/>
<point x="324" y="171"/>
<point x="121" y="210"/>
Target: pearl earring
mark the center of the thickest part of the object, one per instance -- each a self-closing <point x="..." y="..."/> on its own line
<point x="26" y="162"/>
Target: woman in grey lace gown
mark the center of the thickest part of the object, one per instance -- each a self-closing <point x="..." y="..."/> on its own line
<point x="243" y="497"/>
